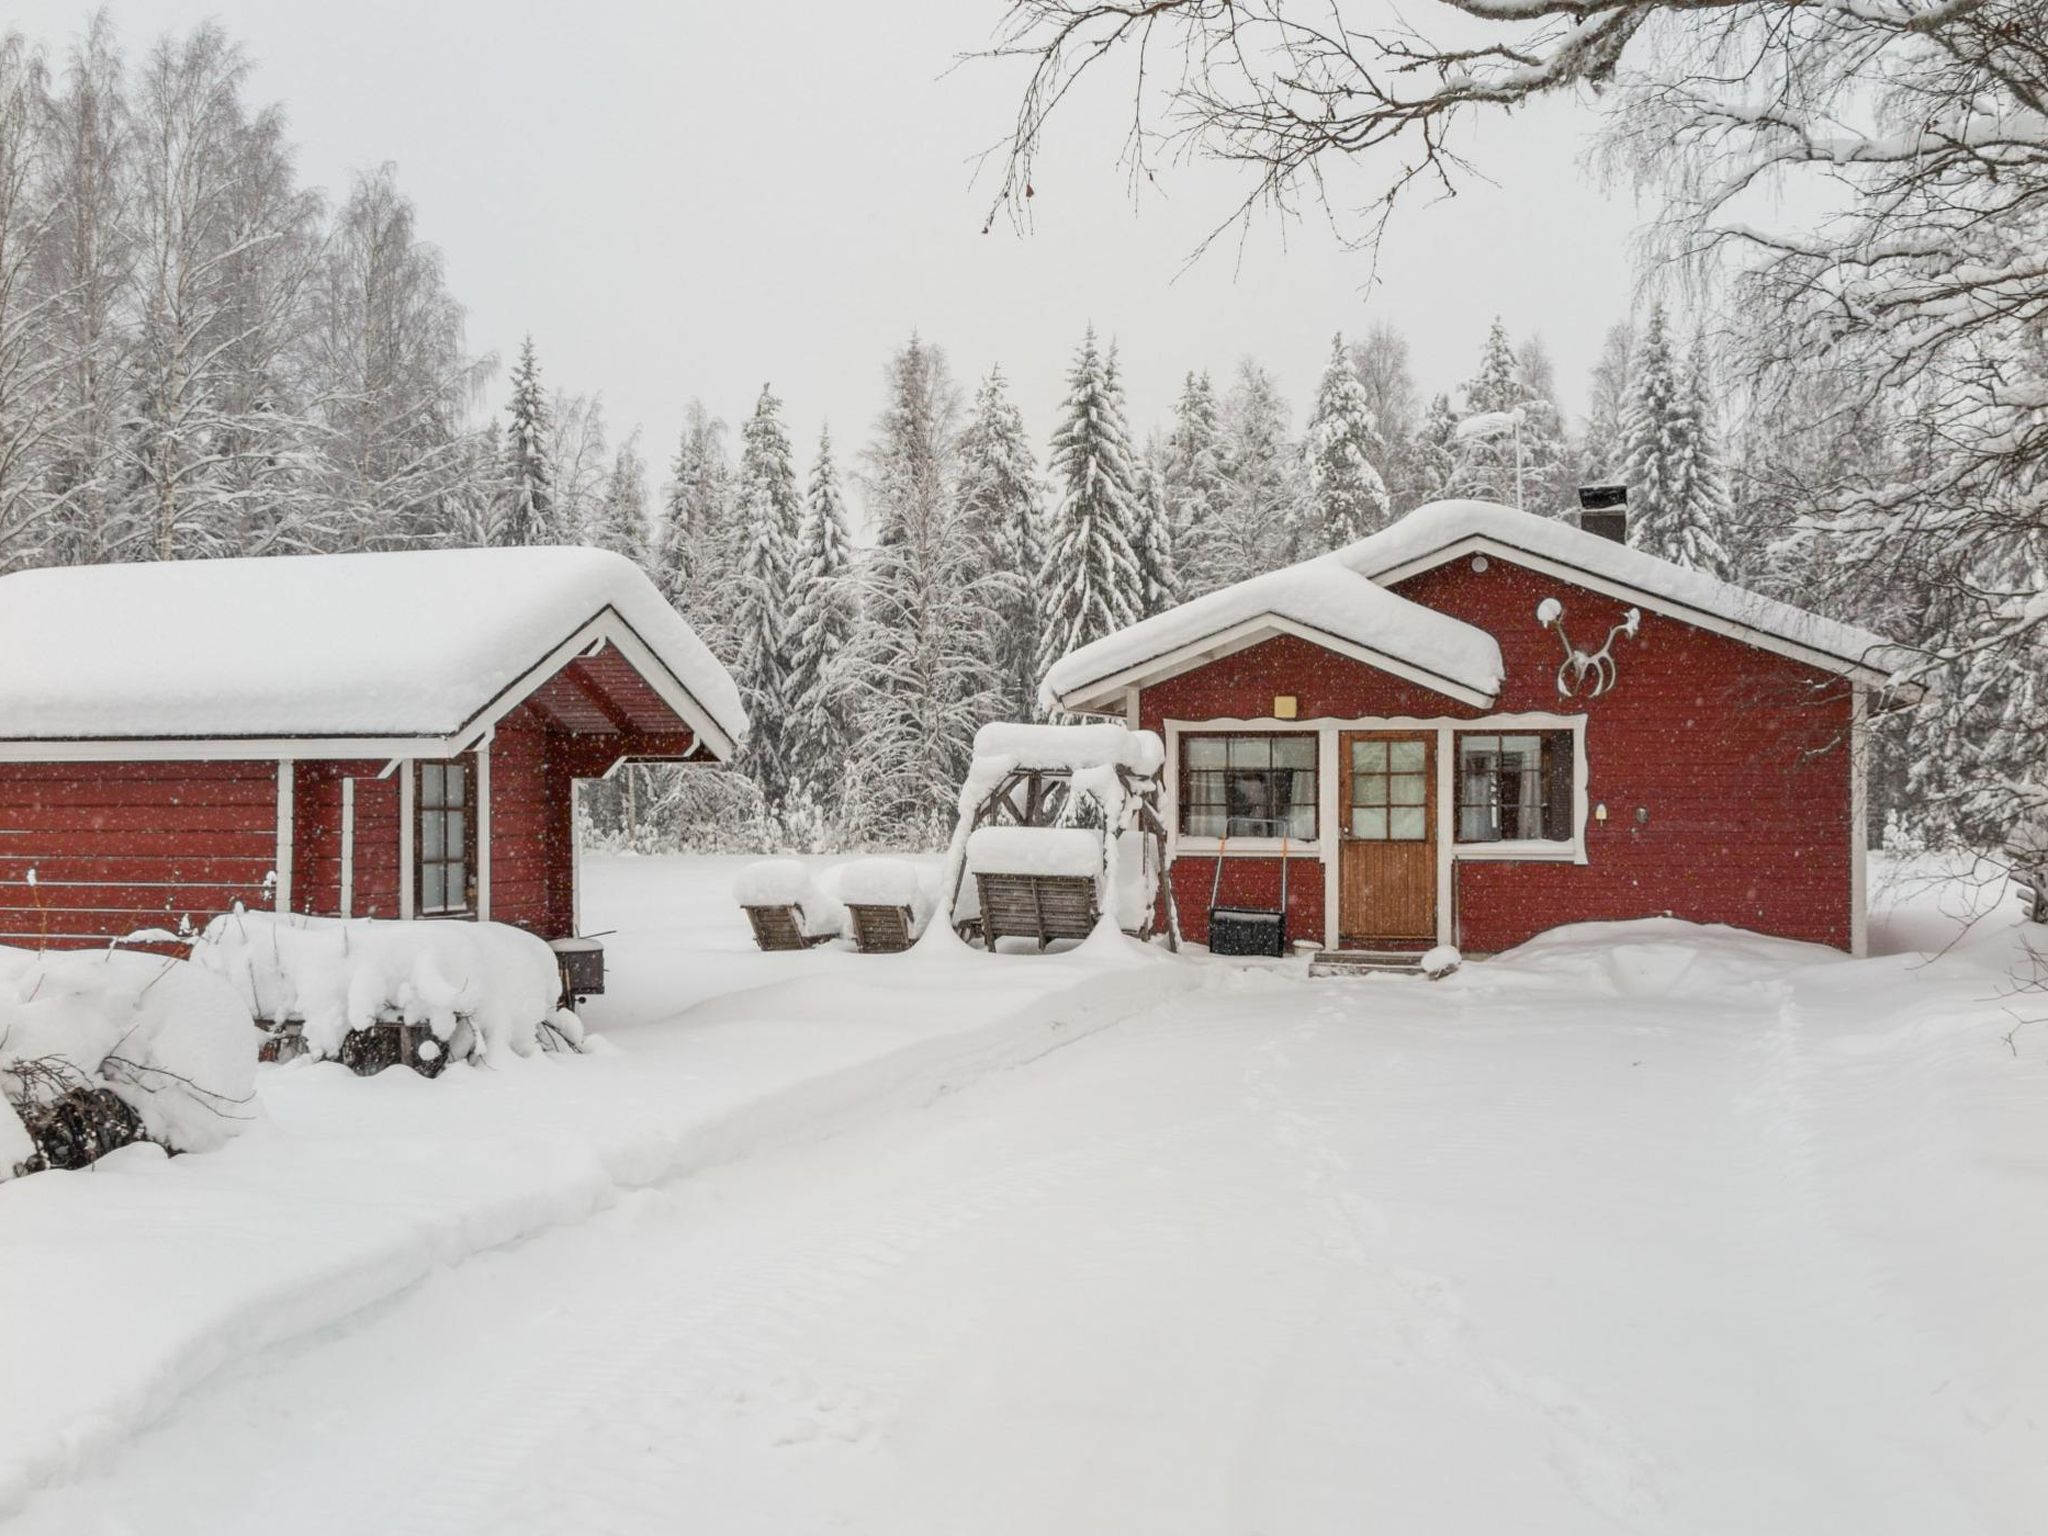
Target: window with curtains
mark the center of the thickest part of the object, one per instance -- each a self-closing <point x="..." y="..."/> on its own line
<point x="444" y="840"/>
<point x="1515" y="787"/>
<point x="1249" y="786"/>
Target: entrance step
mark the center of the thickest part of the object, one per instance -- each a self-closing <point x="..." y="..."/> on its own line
<point x="1366" y="962"/>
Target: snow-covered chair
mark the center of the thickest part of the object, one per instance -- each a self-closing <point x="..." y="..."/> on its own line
<point x="785" y="907"/>
<point x="886" y="905"/>
<point x="1036" y="883"/>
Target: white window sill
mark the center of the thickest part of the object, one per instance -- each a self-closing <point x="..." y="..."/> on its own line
<point x="1528" y="850"/>
<point x="1249" y="847"/>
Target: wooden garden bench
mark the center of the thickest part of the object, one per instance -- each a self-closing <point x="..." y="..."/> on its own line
<point x="1040" y="907"/>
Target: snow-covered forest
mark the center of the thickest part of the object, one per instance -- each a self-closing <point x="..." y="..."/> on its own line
<point x="201" y="357"/>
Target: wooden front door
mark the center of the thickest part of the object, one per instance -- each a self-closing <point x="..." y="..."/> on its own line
<point x="1386" y="870"/>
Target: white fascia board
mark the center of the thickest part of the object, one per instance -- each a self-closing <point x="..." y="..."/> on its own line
<point x="1106" y="695"/>
<point x="606" y="628"/>
<point x="1656" y="602"/>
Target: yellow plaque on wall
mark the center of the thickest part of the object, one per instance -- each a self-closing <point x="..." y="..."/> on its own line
<point x="1284" y="706"/>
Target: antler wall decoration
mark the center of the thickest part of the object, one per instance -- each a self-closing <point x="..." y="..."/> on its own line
<point x="1578" y="667"/>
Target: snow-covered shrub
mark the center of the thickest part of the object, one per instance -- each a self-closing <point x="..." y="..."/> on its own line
<point x="164" y="1037"/>
<point x="481" y="989"/>
<point x="788" y="883"/>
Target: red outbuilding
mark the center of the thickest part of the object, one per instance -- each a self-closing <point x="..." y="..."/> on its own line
<point x="1481" y="723"/>
<point x="371" y="735"/>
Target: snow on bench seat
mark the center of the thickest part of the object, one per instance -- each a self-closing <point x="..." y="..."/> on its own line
<point x="1035" y="851"/>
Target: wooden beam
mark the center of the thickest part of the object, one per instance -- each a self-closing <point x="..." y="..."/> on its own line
<point x="598" y="699"/>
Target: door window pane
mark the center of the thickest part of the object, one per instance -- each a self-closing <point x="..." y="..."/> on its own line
<point x="1406" y="824"/>
<point x="1406" y="756"/>
<point x="1368" y="756"/>
<point x="1368" y="823"/>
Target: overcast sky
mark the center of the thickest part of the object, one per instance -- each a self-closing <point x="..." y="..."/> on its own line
<point x="686" y="199"/>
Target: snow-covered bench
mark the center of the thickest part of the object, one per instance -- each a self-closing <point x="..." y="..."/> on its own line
<point x="784" y="906"/>
<point x="1036" y="883"/>
<point x="886" y="905"/>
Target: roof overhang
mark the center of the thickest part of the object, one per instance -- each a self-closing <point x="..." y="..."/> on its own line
<point x="1856" y="668"/>
<point x="608" y="627"/>
<point x="1105" y="695"/>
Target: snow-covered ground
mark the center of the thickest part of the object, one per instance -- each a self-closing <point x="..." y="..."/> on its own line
<point x="1646" y="1229"/>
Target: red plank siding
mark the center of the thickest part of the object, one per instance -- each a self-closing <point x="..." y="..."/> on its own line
<point x="532" y="852"/>
<point x="121" y="846"/>
<point x="1739" y="756"/>
<point x="316" y="875"/>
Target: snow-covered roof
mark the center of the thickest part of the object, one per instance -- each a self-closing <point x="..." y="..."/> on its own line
<point x="1323" y="600"/>
<point x="1443" y="530"/>
<point x="1343" y="600"/>
<point x="412" y="644"/>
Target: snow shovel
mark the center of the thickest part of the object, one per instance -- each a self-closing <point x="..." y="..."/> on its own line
<point x="1248" y="930"/>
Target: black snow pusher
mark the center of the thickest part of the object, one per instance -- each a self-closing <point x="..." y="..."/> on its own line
<point x="1248" y="930"/>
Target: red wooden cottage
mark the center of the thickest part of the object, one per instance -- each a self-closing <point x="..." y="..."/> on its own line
<point x="373" y="735"/>
<point x="1481" y="723"/>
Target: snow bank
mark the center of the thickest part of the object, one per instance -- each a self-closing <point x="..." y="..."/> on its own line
<point x="788" y="883"/>
<point x="1322" y="596"/>
<point x="166" y="1036"/>
<point x="431" y="637"/>
<point x="1429" y="530"/>
<point x="1071" y="747"/>
<point x="1035" y="851"/>
<point x="1653" y="957"/>
<point x="482" y="988"/>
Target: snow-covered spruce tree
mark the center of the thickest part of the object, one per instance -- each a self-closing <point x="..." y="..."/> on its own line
<point x="1484" y="464"/>
<point x="1436" y="450"/>
<point x="1092" y="583"/>
<point x="1151" y="530"/>
<point x="925" y="665"/>
<point x="824" y="606"/>
<point x="1194" y="487"/>
<point x="621" y="522"/>
<point x="1346" y="495"/>
<point x="696" y="551"/>
<point x="1154" y="542"/>
<point x="1666" y="514"/>
<point x="1001" y="504"/>
<point x="1703" y="466"/>
<point x="1261" y="497"/>
<point x="771" y="514"/>
<point x="527" y="514"/>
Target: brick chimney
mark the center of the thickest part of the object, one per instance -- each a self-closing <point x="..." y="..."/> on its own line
<point x="1603" y="509"/>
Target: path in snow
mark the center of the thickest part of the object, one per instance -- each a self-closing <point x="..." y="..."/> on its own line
<point x="1282" y="1258"/>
